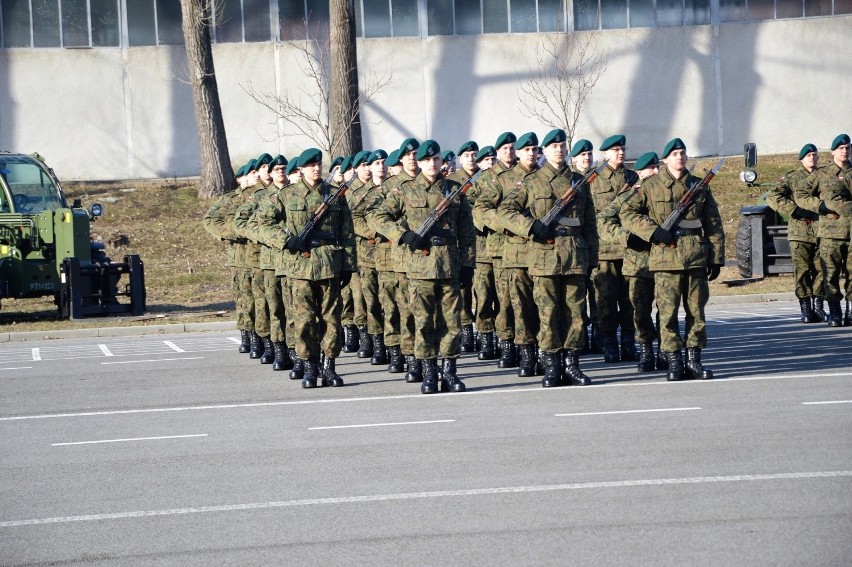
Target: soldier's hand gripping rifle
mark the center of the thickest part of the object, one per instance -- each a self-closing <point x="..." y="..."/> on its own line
<point x="555" y="211"/>
<point x="687" y="199"/>
<point x="321" y="211"/>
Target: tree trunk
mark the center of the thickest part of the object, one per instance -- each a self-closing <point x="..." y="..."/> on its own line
<point x="345" y="116"/>
<point x="216" y="173"/>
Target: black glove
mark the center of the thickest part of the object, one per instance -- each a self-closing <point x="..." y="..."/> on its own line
<point x="713" y="272"/>
<point x="296" y="244"/>
<point x="803" y="214"/>
<point x="662" y="236"/>
<point x="414" y="240"/>
<point x="466" y="277"/>
<point x="823" y="210"/>
<point x="345" y="278"/>
<point x="636" y="243"/>
<point x="541" y="231"/>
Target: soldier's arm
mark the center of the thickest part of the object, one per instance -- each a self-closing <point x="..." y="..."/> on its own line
<point x="714" y="233"/>
<point x="466" y="234"/>
<point x="485" y="208"/>
<point x="213" y="217"/>
<point x="590" y="231"/>
<point x="359" y="219"/>
<point x="609" y="224"/>
<point x="269" y="223"/>
<point x="633" y="217"/>
<point x="806" y="192"/>
<point x="347" y="238"/>
<point x="780" y="198"/>
<point x="384" y="217"/>
<point x="241" y="218"/>
<point x="510" y="213"/>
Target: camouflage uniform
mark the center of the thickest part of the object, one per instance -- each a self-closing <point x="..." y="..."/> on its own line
<point x="252" y="260"/>
<point x="359" y="196"/>
<point x="384" y="262"/>
<point x="461" y="176"/>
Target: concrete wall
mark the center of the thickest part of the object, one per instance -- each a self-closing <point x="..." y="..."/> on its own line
<point x="127" y="113"/>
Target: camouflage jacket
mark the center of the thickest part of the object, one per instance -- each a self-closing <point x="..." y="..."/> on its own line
<point x="829" y="184"/>
<point x="245" y="224"/>
<point x="285" y="213"/>
<point x="575" y="248"/>
<point x="408" y="206"/>
<point x="514" y="244"/>
<point x="604" y="188"/>
<point x="462" y="177"/>
<point x="358" y="197"/>
<point x="252" y="247"/>
<point x="389" y="257"/>
<point x="612" y="232"/>
<point x="218" y="221"/>
<point x="704" y="240"/>
<point x="488" y="197"/>
<point x="780" y="198"/>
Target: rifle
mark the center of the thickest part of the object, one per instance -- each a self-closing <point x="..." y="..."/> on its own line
<point x="688" y="198"/>
<point x="442" y="207"/>
<point x="321" y="211"/>
<point x="556" y="210"/>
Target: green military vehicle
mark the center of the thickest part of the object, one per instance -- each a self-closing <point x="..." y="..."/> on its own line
<point x="46" y="247"/>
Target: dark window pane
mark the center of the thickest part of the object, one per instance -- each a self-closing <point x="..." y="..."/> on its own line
<point x="359" y="25"/>
<point x="842" y="7"/>
<point x="550" y="15"/>
<point x="291" y="16"/>
<point x="697" y="12"/>
<point x="105" y="23"/>
<point x="670" y="12"/>
<point x="318" y="19"/>
<point x="817" y="7"/>
<point x="585" y="14"/>
<point x="440" y="14"/>
<point x="256" y="20"/>
<point x="16" y="23"/>
<point x="495" y="17"/>
<point x="790" y="8"/>
<point x="229" y="21"/>
<point x="642" y="14"/>
<point x="46" y="23"/>
<point x="169" y="30"/>
<point x="140" y="22"/>
<point x="405" y="20"/>
<point x="761" y="9"/>
<point x="732" y="10"/>
<point x="613" y="14"/>
<point x="75" y="23"/>
<point x="468" y="17"/>
<point x="523" y="16"/>
<point x="377" y="18"/>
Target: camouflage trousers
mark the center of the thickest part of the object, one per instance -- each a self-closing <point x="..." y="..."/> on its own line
<point x="370" y="293"/>
<point x="316" y="314"/>
<point x="642" y="298"/>
<point x="287" y="300"/>
<point x="523" y="304"/>
<point x="467" y="305"/>
<point x="612" y="297"/>
<point x="834" y="255"/>
<point x="245" y="299"/>
<point x="274" y="305"/>
<point x="559" y="300"/>
<point x="406" y="318"/>
<point x="261" y="310"/>
<point x="690" y="286"/>
<point x="388" y="286"/>
<point x="485" y="290"/>
<point x="354" y="310"/>
<point x="807" y="269"/>
<point x="504" y="323"/>
<point x="436" y="310"/>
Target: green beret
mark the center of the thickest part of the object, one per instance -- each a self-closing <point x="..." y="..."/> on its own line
<point x="346" y="164"/>
<point x="674" y="144"/>
<point x="263" y="159"/>
<point x="251" y="165"/>
<point x="291" y="167"/>
<point x="807" y="149"/>
<point x="505" y="138"/>
<point x="580" y="147"/>
<point x="279" y="160"/>
<point x="841" y="140"/>
<point x="408" y="145"/>
<point x="336" y="162"/>
<point x="469" y="146"/>
<point x="392" y="159"/>
<point x="241" y="171"/>
<point x="528" y="139"/>
<point x="377" y="155"/>
<point x="648" y="159"/>
<point x="487" y="151"/>
<point x="427" y="149"/>
<point x="613" y="141"/>
<point x="309" y="156"/>
<point x="554" y="136"/>
<point x="448" y="155"/>
<point x="360" y="157"/>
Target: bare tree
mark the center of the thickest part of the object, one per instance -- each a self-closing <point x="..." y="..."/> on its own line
<point x="216" y="173"/>
<point x="345" y="113"/>
<point x="567" y="68"/>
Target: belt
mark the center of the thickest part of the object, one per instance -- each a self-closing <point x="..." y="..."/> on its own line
<point x="691" y="223"/>
<point x="441" y="241"/>
<point x="568" y="231"/>
<point x="317" y="242"/>
<point x="688" y="232"/>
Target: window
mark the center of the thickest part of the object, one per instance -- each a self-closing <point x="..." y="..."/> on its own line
<point x="585" y="15"/>
<point x="16" y="23"/>
<point x="169" y="18"/>
<point x="46" y="23"/>
<point x="377" y="20"/>
<point x="468" y="17"/>
<point x="256" y="20"/>
<point x="495" y="17"/>
<point x="141" y="26"/>
<point x="104" y="18"/>
<point x="642" y="14"/>
<point x="440" y="17"/>
<point x="551" y="16"/>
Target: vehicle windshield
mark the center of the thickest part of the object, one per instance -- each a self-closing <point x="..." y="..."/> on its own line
<point x="32" y="188"/>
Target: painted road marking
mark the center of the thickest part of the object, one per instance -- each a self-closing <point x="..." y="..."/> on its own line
<point x="153" y="360"/>
<point x="382" y="424"/>
<point x="173" y="346"/>
<point x="828" y="402"/>
<point x="623" y="411"/>
<point x="105" y="350"/>
<point x="126" y="440"/>
<point x="235" y="340"/>
<point x="17" y="368"/>
<point x="36" y="354"/>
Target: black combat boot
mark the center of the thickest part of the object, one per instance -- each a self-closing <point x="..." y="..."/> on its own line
<point x="694" y="368"/>
<point x="609" y="345"/>
<point x="808" y="315"/>
<point x="675" y="360"/>
<point x="526" y="360"/>
<point x="486" y="346"/>
<point x="552" y="363"/>
<point x="661" y="360"/>
<point x="587" y="344"/>
<point x="380" y="355"/>
<point x="415" y="370"/>
<point x="268" y="355"/>
<point x="449" y="378"/>
<point x="298" y="371"/>
<point x="282" y="357"/>
<point x="468" y="340"/>
<point x="819" y="309"/>
<point x="507" y="355"/>
<point x="596" y="344"/>
<point x="646" y="357"/>
<point x="309" y="380"/>
<point x="351" y="340"/>
<point x="539" y="365"/>
<point x="430" y="375"/>
<point x="255" y="346"/>
<point x="572" y="369"/>
<point x="365" y="343"/>
<point x="628" y="346"/>
<point x="329" y="376"/>
<point x="396" y="364"/>
<point x="245" y="341"/>
<point x="835" y="314"/>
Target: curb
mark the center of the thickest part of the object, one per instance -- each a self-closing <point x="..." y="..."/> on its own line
<point x="230" y="325"/>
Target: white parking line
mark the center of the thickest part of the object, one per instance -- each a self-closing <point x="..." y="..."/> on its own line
<point x="153" y="360"/>
<point x="16" y="368"/>
<point x="173" y="346"/>
<point x="382" y="424"/>
<point x="427" y="495"/>
<point x="623" y="411"/>
<point x="234" y="339"/>
<point x="126" y="440"/>
<point x="36" y="354"/>
<point x="828" y="402"/>
<point x="105" y="350"/>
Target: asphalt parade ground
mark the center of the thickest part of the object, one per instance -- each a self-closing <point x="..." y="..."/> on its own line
<point x="177" y="450"/>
